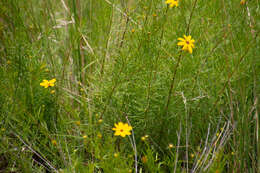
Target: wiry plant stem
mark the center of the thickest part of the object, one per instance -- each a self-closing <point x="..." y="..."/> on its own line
<point x="132" y="140"/>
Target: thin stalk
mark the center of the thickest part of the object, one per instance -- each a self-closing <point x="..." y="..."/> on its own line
<point x="177" y="149"/>
<point x="132" y="140"/>
<point x="188" y="27"/>
<point x="169" y="95"/>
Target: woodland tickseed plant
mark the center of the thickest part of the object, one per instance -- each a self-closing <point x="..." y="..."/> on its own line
<point x="172" y="3"/>
<point x="187" y="43"/>
<point x="122" y="129"/>
<point x="47" y="83"/>
<point x="127" y="70"/>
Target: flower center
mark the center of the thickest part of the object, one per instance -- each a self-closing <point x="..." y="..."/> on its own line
<point x="187" y="42"/>
<point x="121" y="130"/>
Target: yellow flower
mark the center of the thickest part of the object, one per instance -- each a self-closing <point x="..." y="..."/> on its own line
<point x="170" y="146"/>
<point x="144" y="159"/>
<point x="52" y="91"/>
<point x="116" y="155"/>
<point x="143" y="138"/>
<point x="85" y="136"/>
<point x="54" y="142"/>
<point x="122" y="129"/>
<point x="99" y="135"/>
<point x="77" y="123"/>
<point x="187" y="43"/>
<point x="242" y="2"/>
<point x="172" y="3"/>
<point x="46" y="83"/>
<point x="100" y="121"/>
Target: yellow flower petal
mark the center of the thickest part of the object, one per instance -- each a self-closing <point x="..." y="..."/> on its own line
<point x="181" y="39"/>
<point x="181" y="43"/>
<point x="190" y="49"/>
<point x="187" y="43"/>
<point x="122" y="129"/>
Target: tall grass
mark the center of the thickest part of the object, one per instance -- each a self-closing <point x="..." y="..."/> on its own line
<point x="119" y="61"/>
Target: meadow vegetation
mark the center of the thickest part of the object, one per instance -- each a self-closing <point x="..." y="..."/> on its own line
<point x="118" y="86"/>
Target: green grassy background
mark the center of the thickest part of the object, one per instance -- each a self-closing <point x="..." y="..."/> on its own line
<point x="118" y="59"/>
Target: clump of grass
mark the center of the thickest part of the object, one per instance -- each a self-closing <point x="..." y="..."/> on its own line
<point x="192" y="102"/>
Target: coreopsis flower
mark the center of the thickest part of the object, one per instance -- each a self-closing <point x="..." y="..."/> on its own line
<point x="242" y="2"/>
<point x="122" y="129"/>
<point x="143" y="138"/>
<point x="46" y="83"/>
<point x="99" y="135"/>
<point x="77" y="123"/>
<point x="187" y="43"/>
<point x="144" y="159"/>
<point x="54" y="142"/>
<point x="172" y="3"/>
<point x="170" y="146"/>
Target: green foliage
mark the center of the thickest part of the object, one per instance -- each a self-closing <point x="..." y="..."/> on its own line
<point x="119" y="61"/>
